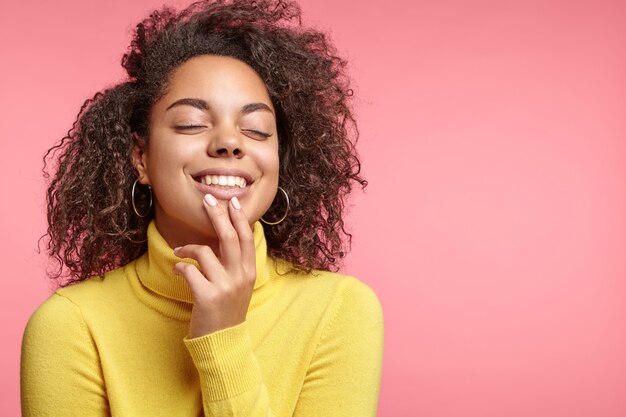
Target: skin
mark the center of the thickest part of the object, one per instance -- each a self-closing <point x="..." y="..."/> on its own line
<point x="216" y="233"/>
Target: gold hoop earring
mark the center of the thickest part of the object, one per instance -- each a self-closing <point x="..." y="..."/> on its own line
<point x="132" y="199"/>
<point x="284" y="215"/>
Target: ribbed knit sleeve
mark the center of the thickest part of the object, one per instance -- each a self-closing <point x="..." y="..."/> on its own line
<point x="230" y="376"/>
<point x="343" y="378"/>
<point x="60" y="370"/>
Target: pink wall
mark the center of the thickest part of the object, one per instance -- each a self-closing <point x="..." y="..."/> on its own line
<point x="494" y="226"/>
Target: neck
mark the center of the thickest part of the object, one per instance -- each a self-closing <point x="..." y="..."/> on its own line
<point x="181" y="234"/>
<point x="155" y="270"/>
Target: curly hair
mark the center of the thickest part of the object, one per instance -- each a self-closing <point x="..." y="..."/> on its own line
<point x="92" y="227"/>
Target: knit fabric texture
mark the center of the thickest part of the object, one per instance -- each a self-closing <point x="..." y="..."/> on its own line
<point x="118" y="345"/>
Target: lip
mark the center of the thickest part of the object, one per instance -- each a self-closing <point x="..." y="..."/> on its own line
<point x="221" y="192"/>
<point x="234" y="172"/>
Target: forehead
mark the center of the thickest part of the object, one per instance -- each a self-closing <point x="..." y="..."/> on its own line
<point x="216" y="78"/>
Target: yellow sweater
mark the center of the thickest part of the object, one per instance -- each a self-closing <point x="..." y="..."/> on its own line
<point x="311" y="345"/>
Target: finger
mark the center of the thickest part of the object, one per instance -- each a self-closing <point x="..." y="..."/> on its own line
<point x="210" y="266"/>
<point x="246" y="236"/>
<point x="230" y="252"/>
<point x="195" y="279"/>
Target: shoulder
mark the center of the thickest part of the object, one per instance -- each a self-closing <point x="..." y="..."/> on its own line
<point x="357" y="303"/>
<point x="343" y="295"/>
<point x="350" y="292"/>
<point x="57" y="312"/>
<point x="59" y="361"/>
<point x="63" y="311"/>
<point x="101" y="296"/>
<point x="55" y="326"/>
<point x="351" y="323"/>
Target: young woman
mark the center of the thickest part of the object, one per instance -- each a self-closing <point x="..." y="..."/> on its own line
<point x="196" y="211"/>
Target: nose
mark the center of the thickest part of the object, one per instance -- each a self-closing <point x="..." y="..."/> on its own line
<point x="226" y="142"/>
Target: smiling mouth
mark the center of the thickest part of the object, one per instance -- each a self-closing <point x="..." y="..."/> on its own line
<point x="225" y="181"/>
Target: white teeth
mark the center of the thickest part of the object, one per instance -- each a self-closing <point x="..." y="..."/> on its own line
<point x="224" y="180"/>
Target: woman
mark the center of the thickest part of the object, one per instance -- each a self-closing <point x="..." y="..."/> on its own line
<point x="197" y="212"/>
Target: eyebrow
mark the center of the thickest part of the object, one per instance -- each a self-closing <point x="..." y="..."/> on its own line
<point x="252" y="107"/>
<point x="203" y="105"/>
<point x="194" y="102"/>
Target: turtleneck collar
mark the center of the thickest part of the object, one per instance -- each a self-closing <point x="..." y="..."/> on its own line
<point x="155" y="272"/>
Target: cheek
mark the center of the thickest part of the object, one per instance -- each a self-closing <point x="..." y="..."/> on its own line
<point x="169" y="152"/>
<point x="269" y="161"/>
<point x="166" y="165"/>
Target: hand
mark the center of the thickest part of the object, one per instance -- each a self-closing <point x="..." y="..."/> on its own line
<point x="221" y="290"/>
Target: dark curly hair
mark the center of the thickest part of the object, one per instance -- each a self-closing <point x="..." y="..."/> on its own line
<point x="92" y="227"/>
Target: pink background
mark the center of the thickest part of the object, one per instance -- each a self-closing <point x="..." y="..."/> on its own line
<point x="494" y="226"/>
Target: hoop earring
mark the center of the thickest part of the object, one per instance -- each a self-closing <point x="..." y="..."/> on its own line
<point x="284" y="215"/>
<point x="132" y="198"/>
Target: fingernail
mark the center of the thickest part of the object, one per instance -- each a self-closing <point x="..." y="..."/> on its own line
<point x="210" y="200"/>
<point x="178" y="248"/>
<point x="235" y="202"/>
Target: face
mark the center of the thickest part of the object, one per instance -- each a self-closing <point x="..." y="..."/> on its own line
<point x="215" y="123"/>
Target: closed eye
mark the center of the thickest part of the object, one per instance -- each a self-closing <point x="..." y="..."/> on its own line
<point x="183" y="127"/>
<point x="256" y="132"/>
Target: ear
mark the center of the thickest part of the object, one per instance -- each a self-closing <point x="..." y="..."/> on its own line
<point x="139" y="159"/>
